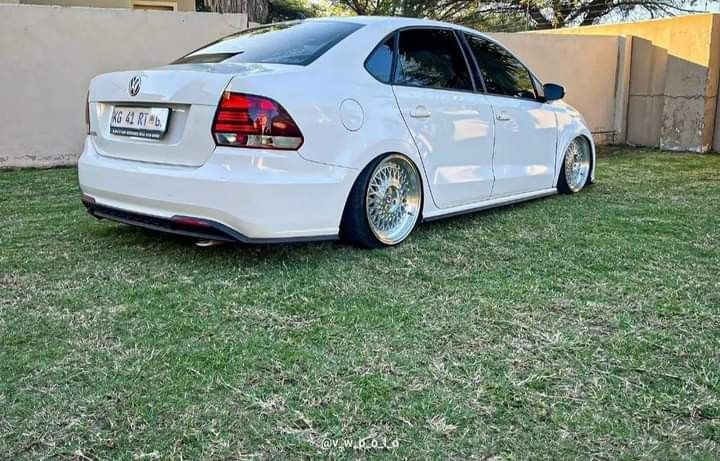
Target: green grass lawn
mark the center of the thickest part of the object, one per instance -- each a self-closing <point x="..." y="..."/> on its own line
<point x="573" y="326"/>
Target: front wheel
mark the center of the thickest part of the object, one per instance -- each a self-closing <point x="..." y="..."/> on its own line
<point x="577" y="162"/>
<point x="384" y="203"/>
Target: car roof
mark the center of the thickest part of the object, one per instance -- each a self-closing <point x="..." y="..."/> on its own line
<point x="394" y="21"/>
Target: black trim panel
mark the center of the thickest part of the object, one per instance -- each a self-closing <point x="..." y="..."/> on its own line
<point x="214" y="230"/>
<point x="488" y="207"/>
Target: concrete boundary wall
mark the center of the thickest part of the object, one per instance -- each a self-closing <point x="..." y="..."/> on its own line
<point x="49" y="54"/>
<point x="588" y="68"/>
<point x="716" y="139"/>
<point x="674" y="79"/>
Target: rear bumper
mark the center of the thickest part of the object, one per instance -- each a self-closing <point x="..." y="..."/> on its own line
<point x="251" y="196"/>
<point x="199" y="229"/>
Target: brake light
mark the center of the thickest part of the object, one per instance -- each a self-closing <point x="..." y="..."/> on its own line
<point x="244" y="120"/>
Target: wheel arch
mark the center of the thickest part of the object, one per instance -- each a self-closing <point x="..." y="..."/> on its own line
<point x="574" y="129"/>
<point x="589" y="139"/>
<point x="416" y="163"/>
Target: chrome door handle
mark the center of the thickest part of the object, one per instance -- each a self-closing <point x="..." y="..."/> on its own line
<point x="503" y="117"/>
<point x="420" y="112"/>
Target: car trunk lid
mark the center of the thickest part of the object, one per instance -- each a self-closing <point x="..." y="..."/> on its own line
<point x="188" y="94"/>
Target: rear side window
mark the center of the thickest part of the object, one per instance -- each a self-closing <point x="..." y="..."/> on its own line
<point x="379" y="63"/>
<point x="502" y="72"/>
<point x="431" y="58"/>
<point x="297" y="43"/>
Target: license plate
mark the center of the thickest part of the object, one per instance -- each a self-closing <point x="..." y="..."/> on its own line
<point x="139" y="122"/>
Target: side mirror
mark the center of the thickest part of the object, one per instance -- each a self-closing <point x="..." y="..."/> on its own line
<point x="553" y="92"/>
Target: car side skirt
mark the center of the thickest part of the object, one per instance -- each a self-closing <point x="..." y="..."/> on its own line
<point x="493" y="203"/>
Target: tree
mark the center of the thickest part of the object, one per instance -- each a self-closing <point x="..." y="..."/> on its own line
<point x="286" y="10"/>
<point x="516" y="14"/>
<point x="257" y="10"/>
<point x="549" y="14"/>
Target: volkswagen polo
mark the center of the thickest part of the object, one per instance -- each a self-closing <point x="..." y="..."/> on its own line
<point x="355" y="128"/>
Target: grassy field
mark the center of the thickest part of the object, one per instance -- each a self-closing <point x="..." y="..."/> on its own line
<point x="573" y="326"/>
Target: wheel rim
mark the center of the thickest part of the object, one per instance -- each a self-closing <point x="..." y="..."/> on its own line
<point x="577" y="164"/>
<point x="392" y="202"/>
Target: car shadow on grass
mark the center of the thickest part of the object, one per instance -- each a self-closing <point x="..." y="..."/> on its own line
<point x="142" y="239"/>
<point x="180" y="249"/>
<point x="471" y="218"/>
<point x="428" y="236"/>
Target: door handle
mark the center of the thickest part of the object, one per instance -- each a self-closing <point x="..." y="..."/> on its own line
<point x="503" y="116"/>
<point x="420" y="112"/>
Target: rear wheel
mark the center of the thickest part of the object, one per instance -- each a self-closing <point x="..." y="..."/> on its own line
<point x="384" y="203"/>
<point x="577" y="162"/>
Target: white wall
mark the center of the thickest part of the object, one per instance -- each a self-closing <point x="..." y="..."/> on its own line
<point x="49" y="54"/>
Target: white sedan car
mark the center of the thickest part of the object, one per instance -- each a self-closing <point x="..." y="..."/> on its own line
<point x="355" y="128"/>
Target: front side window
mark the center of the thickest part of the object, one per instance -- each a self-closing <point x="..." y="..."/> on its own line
<point x="431" y="58"/>
<point x="502" y="72"/>
<point x="285" y="43"/>
<point x="379" y="63"/>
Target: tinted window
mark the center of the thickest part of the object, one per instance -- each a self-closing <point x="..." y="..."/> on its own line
<point x="431" y="58"/>
<point x="285" y="43"/>
<point x="502" y="72"/>
<point x="379" y="63"/>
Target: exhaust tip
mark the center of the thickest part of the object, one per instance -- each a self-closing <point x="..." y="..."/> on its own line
<point x="209" y="243"/>
<point x="87" y="200"/>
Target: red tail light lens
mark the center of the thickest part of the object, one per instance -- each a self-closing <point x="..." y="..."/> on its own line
<point x="244" y="120"/>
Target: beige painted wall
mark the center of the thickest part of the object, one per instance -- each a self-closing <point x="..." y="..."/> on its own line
<point x="716" y="139"/>
<point x="674" y="79"/>
<point x="49" y="55"/>
<point x="587" y="66"/>
<point x="54" y="52"/>
<point x="182" y="5"/>
<point x="714" y="85"/>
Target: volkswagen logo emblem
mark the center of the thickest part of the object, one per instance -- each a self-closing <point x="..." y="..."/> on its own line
<point x="134" y="87"/>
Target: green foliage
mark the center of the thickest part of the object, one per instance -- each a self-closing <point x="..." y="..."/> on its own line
<point x="287" y="10"/>
<point x="514" y="15"/>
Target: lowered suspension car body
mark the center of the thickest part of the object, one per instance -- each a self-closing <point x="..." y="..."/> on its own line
<point x="317" y="129"/>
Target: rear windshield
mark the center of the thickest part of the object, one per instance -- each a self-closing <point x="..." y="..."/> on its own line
<point x="299" y="42"/>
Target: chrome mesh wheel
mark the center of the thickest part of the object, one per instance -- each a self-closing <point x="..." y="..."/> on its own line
<point x="577" y="164"/>
<point x="392" y="201"/>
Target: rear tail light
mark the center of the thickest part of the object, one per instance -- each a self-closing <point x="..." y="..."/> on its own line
<point x="244" y="120"/>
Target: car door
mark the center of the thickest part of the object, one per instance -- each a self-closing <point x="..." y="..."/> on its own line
<point x="451" y="124"/>
<point x="525" y="127"/>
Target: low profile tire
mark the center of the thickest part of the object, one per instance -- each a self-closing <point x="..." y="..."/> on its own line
<point x="575" y="173"/>
<point x="384" y="203"/>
